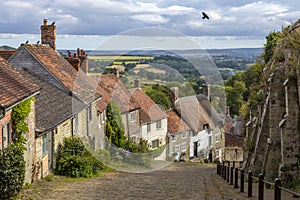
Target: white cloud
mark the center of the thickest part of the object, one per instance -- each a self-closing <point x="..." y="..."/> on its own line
<point x="151" y="19"/>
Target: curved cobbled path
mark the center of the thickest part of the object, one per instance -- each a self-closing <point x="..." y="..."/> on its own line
<point x="176" y="181"/>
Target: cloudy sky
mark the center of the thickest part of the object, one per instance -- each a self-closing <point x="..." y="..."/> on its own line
<point x="232" y="23"/>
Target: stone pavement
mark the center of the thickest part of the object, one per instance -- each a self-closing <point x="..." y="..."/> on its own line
<point x="177" y="181"/>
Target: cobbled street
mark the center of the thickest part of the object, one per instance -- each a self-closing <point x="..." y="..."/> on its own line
<point x="177" y="181"/>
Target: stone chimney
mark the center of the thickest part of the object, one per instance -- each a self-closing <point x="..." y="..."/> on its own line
<point x="137" y="83"/>
<point x="206" y="90"/>
<point x="48" y="34"/>
<point x="84" y="63"/>
<point x="116" y="72"/>
<point x="175" y="93"/>
<point x="226" y="111"/>
<point x="79" y="61"/>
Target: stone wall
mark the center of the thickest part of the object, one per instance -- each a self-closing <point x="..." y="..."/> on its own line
<point x="274" y="124"/>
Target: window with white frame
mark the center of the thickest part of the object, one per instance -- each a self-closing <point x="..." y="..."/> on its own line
<point x="133" y="116"/>
<point x="102" y="117"/>
<point x="183" y="147"/>
<point x="177" y="148"/>
<point x="6" y="135"/>
<point x="155" y="144"/>
<point x="217" y="153"/>
<point x="174" y="138"/>
<point x="172" y="149"/>
<point x="75" y="123"/>
<point x="184" y="134"/>
<point x="158" y="124"/>
<point x="148" y="127"/>
<point x="133" y="138"/>
<point x="89" y="113"/>
<point x="44" y="145"/>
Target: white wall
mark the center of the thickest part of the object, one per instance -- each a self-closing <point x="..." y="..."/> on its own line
<point x="155" y="133"/>
<point x="202" y="138"/>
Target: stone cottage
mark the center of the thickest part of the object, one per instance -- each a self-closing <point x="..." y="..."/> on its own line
<point x="152" y="120"/>
<point x="205" y="123"/>
<point x="81" y="118"/>
<point x="178" y="137"/>
<point x="15" y="88"/>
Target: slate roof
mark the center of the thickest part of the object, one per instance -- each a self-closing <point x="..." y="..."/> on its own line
<point x="149" y="111"/>
<point x="197" y="111"/>
<point x="13" y="86"/>
<point x="53" y="105"/>
<point x="6" y="54"/>
<point x="78" y="83"/>
<point x="233" y="140"/>
<point x="113" y="89"/>
<point x="175" y="123"/>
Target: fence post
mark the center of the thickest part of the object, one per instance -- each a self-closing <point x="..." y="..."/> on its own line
<point x="225" y="172"/>
<point x="228" y="172"/>
<point x="277" y="190"/>
<point x="261" y="187"/>
<point x="249" y="183"/>
<point x="231" y="176"/>
<point x="218" y="168"/>
<point x="242" y="181"/>
<point x="236" y="177"/>
<point x="233" y="164"/>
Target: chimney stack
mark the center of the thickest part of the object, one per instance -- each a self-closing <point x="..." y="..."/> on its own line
<point x="175" y="93"/>
<point x="137" y="83"/>
<point x="48" y="34"/>
<point x="206" y="90"/>
<point x="69" y="54"/>
<point x="226" y="110"/>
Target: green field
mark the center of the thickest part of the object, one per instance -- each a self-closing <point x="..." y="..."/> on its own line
<point x="120" y="58"/>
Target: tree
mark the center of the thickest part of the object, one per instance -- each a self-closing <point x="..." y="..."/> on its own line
<point x="235" y="96"/>
<point x="114" y="125"/>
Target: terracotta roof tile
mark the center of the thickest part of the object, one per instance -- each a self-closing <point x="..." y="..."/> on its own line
<point x="113" y="89"/>
<point x="6" y="54"/>
<point x="13" y="86"/>
<point x="149" y="111"/>
<point x="175" y="123"/>
<point x="77" y="82"/>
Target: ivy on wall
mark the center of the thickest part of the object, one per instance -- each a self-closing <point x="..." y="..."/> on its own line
<point x="12" y="163"/>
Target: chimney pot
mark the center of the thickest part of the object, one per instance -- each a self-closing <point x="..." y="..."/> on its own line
<point x="137" y="83"/>
<point x="175" y="93"/>
<point x="78" y="51"/>
<point x="69" y="54"/>
<point x="75" y="55"/>
<point x="81" y="52"/>
<point x="45" y="22"/>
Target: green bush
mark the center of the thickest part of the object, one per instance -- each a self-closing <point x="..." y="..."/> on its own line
<point x="74" y="160"/>
<point x="12" y="171"/>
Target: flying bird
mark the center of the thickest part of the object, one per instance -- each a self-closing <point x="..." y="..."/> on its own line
<point x="53" y="23"/>
<point x="204" y="15"/>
